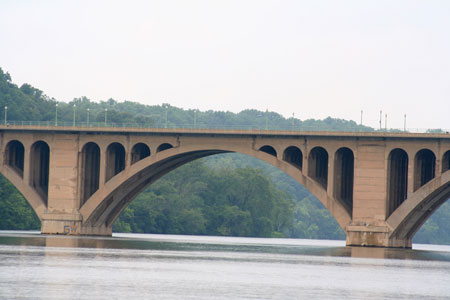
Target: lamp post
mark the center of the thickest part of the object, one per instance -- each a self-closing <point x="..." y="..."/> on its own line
<point x="404" y="124"/>
<point x="361" y="116"/>
<point x="87" y="119"/>
<point x="267" y="119"/>
<point x="381" y="113"/>
<point x="293" y="122"/>
<point x="6" y="114"/>
<point x="56" y="114"/>
<point x="385" y="122"/>
<point x="106" y="111"/>
<point x="74" y="115"/>
<point x="195" y="119"/>
<point x="167" y="110"/>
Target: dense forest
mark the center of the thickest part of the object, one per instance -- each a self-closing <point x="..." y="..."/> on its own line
<point x="227" y="194"/>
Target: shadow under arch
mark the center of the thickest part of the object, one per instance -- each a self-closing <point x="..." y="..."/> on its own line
<point x="407" y="219"/>
<point x="15" y="156"/>
<point x="40" y="168"/>
<point x="104" y="206"/>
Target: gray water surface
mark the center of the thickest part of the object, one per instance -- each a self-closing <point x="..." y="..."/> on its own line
<point x="142" y="266"/>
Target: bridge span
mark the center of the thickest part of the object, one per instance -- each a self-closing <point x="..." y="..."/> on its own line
<point x="380" y="187"/>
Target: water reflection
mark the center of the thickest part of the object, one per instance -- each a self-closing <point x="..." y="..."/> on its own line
<point x="223" y="244"/>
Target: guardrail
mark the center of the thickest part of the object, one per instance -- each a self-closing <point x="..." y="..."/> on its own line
<point x="49" y="124"/>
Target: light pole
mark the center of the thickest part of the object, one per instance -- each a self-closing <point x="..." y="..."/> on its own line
<point x="87" y="119"/>
<point x="381" y="113"/>
<point x="385" y="122"/>
<point x="6" y="114"/>
<point x="361" y="116"/>
<point x="293" y="120"/>
<point x="267" y="119"/>
<point x="195" y="119"/>
<point x="167" y="110"/>
<point x="404" y="124"/>
<point x="106" y="111"/>
<point x="74" y="115"/>
<point x="56" y="115"/>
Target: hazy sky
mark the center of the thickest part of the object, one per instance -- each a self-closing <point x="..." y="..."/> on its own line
<point x="311" y="58"/>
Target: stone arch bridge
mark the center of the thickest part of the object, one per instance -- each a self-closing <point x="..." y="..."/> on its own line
<point x="380" y="187"/>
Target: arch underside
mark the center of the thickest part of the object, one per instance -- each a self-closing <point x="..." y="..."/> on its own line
<point x="105" y="206"/>
<point x="35" y="200"/>
<point x="415" y="211"/>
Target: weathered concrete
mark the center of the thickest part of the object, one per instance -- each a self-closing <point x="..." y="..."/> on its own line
<point x="356" y="187"/>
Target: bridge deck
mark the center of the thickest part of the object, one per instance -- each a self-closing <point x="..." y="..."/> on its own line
<point x="232" y="132"/>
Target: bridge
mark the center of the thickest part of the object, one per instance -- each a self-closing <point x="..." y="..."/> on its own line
<point x="380" y="187"/>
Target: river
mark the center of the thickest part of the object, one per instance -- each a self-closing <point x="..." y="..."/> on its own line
<point x="145" y="266"/>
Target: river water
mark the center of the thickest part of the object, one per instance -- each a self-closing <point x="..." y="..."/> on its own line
<point x="143" y="266"/>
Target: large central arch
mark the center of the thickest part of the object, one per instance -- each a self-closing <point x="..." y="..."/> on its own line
<point x="106" y="204"/>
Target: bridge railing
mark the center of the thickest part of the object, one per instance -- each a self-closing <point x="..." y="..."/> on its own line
<point x="48" y="124"/>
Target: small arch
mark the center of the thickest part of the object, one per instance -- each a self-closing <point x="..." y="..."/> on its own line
<point x="397" y="178"/>
<point x="90" y="170"/>
<point x="269" y="150"/>
<point x="115" y="160"/>
<point x="139" y="151"/>
<point x="39" y="168"/>
<point x="424" y="167"/>
<point x="14" y="156"/>
<point x="294" y="156"/>
<point x="163" y="147"/>
<point x="318" y="165"/>
<point x="343" y="177"/>
<point x="446" y="161"/>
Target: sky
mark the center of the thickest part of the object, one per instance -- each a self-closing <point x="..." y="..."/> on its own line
<point x="313" y="59"/>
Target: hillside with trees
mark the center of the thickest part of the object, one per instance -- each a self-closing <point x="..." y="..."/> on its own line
<point x="227" y="194"/>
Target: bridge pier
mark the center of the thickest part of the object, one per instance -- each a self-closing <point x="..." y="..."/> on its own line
<point x="70" y="224"/>
<point x="374" y="236"/>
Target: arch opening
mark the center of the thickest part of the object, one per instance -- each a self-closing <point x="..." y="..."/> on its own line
<point x="14" y="156"/>
<point x="139" y="151"/>
<point x="115" y="160"/>
<point x="294" y="156"/>
<point x="318" y="165"/>
<point x="397" y="179"/>
<point x="424" y="167"/>
<point x="103" y="210"/>
<point x="269" y="150"/>
<point x="446" y="161"/>
<point x="163" y="147"/>
<point x="343" y="177"/>
<point x="302" y="195"/>
<point x="90" y="170"/>
<point x="39" y="168"/>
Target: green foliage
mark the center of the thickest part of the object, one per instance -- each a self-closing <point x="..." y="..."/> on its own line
<point x="15" y="212"/>
<point x="197" y="199"/>
<point x="436" y="229"/>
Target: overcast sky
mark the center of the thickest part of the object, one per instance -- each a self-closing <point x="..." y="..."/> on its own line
<point x="311" y="58"/>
